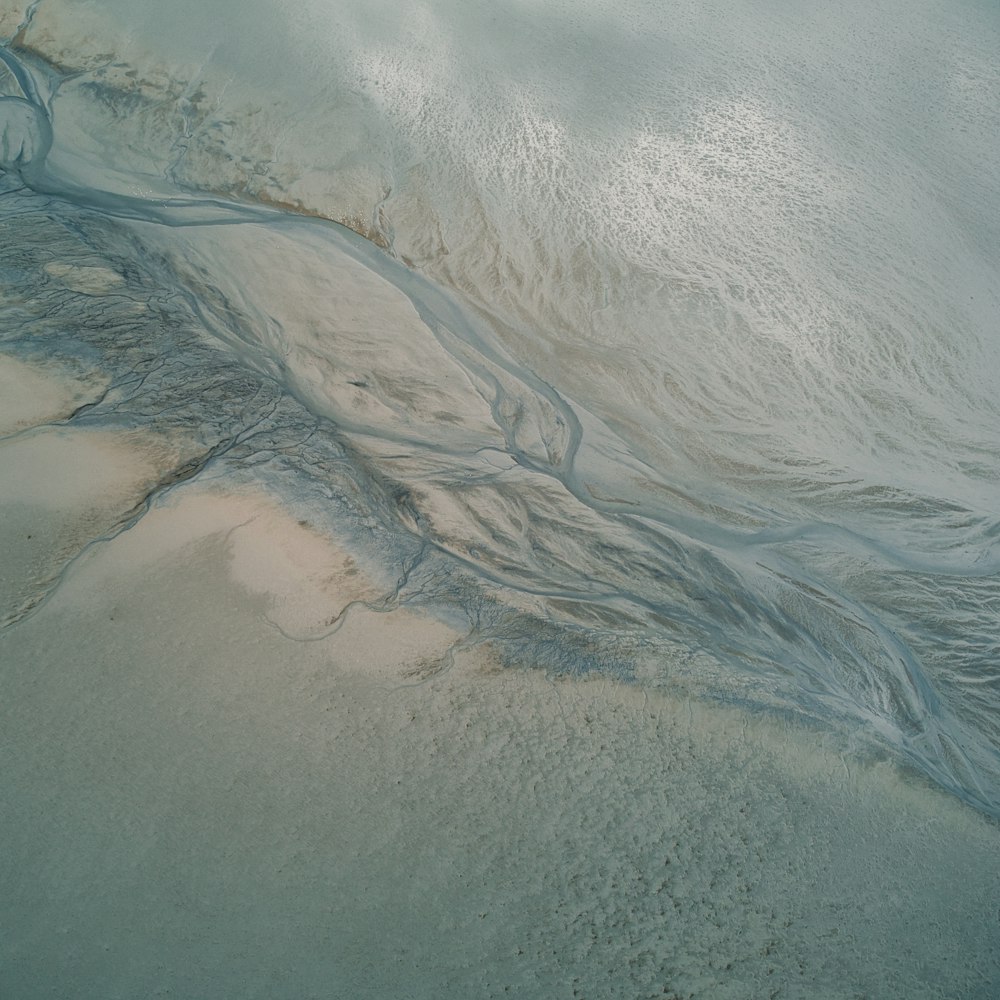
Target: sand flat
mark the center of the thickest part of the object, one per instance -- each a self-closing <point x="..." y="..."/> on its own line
<point x="32" y="394"/>
<point x="201" y="804"/>
<point x="63" y="488"/>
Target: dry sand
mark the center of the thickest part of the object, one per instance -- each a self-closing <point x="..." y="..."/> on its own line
<point x="230" y="770"/>
<point x="35" y="394"/>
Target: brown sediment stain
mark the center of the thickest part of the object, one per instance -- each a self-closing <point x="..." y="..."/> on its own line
<point x="356" y="222"/>
<point x="27" y="49"/>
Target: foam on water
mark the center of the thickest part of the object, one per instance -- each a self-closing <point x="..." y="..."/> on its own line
<point x="686" y="336"/>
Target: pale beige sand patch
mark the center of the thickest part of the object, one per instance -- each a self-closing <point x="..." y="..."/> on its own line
<point x="88" y="280"/>
<point x="35" y="394"/>
<point x="65" y="468"/>
<point x="61" y="488"/>
<point x="305" y="580"/>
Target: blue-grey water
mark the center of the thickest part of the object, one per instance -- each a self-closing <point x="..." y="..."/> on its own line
<point x="700" y="373"/>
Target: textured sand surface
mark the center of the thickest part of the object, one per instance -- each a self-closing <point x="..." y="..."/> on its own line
<point x="33" y="394"/>
<point x="228" y="772"/>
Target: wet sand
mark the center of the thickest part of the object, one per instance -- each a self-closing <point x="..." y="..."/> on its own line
<point x="229" y="770"/>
